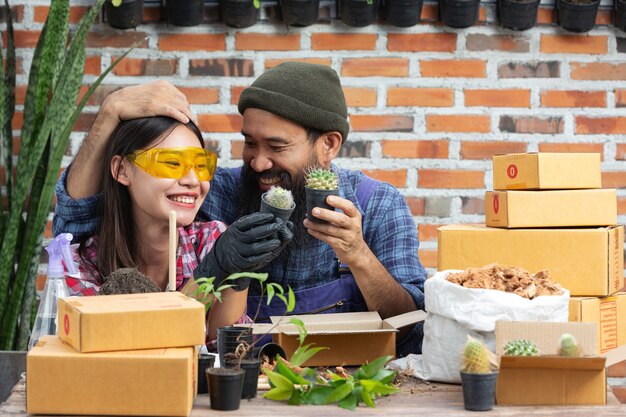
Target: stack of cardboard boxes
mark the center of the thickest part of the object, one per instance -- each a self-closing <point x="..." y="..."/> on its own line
<point x="548" y="211"/>
<point x="118" y="355"/>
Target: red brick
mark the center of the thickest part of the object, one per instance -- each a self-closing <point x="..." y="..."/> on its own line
<point x="110" y="38"/>
<point x="395" y="177"/>
<point x="235" y="92"/>
<point x="425" y="97"/>
<point x="199" y="95"/>
<point x="192" y="42"/>
<point x="618" y="370"/>
<point x="468" y="68"/>
<point x="271" y="63"/>
<point x="620" y="98"/>
<point x="76" y="13"/>
<point x="221" y="67"/>
<point x="415" y="148"/>
<point x="573" y="148"/>
<point x="507" y="43"/>
<point x="427" y="232"/>
<point x="620" y="394"/>
<point x="40" y="282"/>
<point x="497" y="98"/>
<point x="18" y="120"/>
<point x="573" y="98"/>
<point x="421" y="42"/>
<point x="416" y="205"/>
<point x="23" y="38"/>
<point x="598" y="71"/>
<point x="381" y="123"/>
<point x="374" y="67"/>
<point x="152" y="14"/>
<point x="574" y="44"/>
<point x="236" y="149"/>
<point x="614" y="179"/>
<point x="472" y="205"/>
<point x="360" y="97"/>
<point x="20" y="93"/>
<point x="266" y="42"/>
<point x="92" y="65"/>
<point x="220" y="122"/>
<point x="430" y="12"/>
<point x="595" y="125"/>
<point x="443" y="178"/>
<point x="140" y="66"/>
<point x="531" y="124"/>
<point x="428" y="257"/>
<point x="620" y="151"/>
<point x="530" y="69"/>
<point x="343" y="41"/>
<point x="84" y="122"/>
<point x="485" y="150"/>
<point x="458" y="123"/>
<point x="604" y="17"/>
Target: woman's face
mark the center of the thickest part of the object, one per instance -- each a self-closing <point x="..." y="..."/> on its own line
<point x="154" y="197"/>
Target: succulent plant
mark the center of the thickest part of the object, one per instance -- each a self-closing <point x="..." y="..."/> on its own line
<point x="475" y="359"/>
<point x="569" y="346"/>
<point x="280" y="198"/>
<point x="520" y="347"/>
<point x="322" y="179"/>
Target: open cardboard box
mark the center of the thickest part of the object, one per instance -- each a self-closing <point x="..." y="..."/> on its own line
<point x="351" y="338"/>
<point x="550" y="379"/>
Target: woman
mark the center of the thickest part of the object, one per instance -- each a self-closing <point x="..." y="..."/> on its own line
<point x="156" y="165"/>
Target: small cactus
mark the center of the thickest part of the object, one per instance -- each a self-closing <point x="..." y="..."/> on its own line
<point x="520" y="347"/>
<point x="322" y="179"/>
<point x="280" y="198"/>
<point x="475" y="359"/>
<point x="569" y="346"/>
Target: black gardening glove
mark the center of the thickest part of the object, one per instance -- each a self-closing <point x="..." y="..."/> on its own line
<point x="247" y="245"/>
<point x="284" y="234"/>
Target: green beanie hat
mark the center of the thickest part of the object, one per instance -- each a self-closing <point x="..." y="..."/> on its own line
<point x="307" y="94"/>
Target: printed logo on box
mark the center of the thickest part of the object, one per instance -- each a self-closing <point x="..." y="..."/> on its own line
<point x="512" y="171"/>
<point x="496" y="203"/>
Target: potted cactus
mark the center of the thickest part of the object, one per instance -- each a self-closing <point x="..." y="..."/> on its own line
<point x="520" y="347"/>
<point x="569" y="346"/>
<point x="279" y="202"/>
<point x="477" y="377"/>
<point x="320" y="183"/>
<point x="123" y="14"/>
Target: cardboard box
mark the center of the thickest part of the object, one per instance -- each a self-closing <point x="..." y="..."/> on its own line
<point x="552" y="380"/>
<point x="563" y="208"/>
<point x="351" y="338"/>
<point x="133" y="321"/>
<point x="609" y="314"/>
<point x="546" y="171"/>
<point x="588" y="262"/>
<point x="156" y="382"/>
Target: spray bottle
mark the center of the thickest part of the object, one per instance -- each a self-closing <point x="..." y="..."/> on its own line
<point x="59" y="254"/>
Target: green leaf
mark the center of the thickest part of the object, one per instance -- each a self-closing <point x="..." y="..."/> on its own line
<point x="304" y="353"/>
<point x="349" y="402"/>
<point x="374" y="366"/>
<point x="116" y="3"/>
<point x="302" y="333"/>
<point x="257" y="4"/>
<point x="340" y="392"/>
<point x="385" y="376"/>
<point x="367" y="399"/>
<point x="296" y="398"/>
<point x="377" y="388"/>
<point x="277" y="394"/>
<point x="291" y="304"/>
<point x="285" y="371"/>
<point x="280" y="381"/>
<point x="318" y="394"/>
<point x="270" y="293"/>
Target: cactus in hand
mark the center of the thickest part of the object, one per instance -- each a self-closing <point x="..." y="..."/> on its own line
<point x="475" y="359"/>
<point x="569" y="346"/>
<point x="280" y="198"/>
<point x="322" y="179"/>
<point x="520" y="347"/>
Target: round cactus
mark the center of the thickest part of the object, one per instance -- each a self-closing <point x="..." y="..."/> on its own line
<point x="322" y="179"/>
<point x="280" y="198"/>
<point x="569" y="346"/>
<point x="475" y="359"/>
<point x="520" y="347"/>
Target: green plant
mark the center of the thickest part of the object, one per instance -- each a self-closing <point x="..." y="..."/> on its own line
<point x="322" y="179"/>
<point x="279" y="197"/>
<point x="257" y="4"/>
<point x="569" y="346"/>
<point x="520" y="347"/>
<point x="50" y="111"/>
<point x="475" y="358"/>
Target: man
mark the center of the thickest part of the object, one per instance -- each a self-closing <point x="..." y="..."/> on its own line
<point x="294" y="118"/>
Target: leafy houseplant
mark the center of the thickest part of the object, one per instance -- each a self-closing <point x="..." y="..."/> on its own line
<point x="50" y="111"/>
<point x="299" y="12"/>
<point x="459" y="13"/>
<point x="479" y="382"/>
<point x="124" y="14"/>
<point x="279" y="202"/>
<point x="403" y="13"/>
<point x="320" y="183"/>
<point x="518" y="14"/>
<point x="577" y="15"/>
<point x="185" y="12"/>
<point x="359" y="13"/>
<point x="239" y="13"/>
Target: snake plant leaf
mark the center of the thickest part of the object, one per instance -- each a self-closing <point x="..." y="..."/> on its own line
<point x="7" y="109"/>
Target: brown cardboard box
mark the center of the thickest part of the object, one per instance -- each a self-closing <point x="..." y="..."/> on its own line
<point x="562" y="208"/>
<point x="552" y="380"/>
<point x="351" y="338"/>
<point x="588" y="262"/>
<point x="546" y="171"/>
<point x="609" y="314"/>
<point x="156" y="382"/>
<point x="133" y="321"/>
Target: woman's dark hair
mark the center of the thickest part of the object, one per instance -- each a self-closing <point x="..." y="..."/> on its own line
<point x="117" y="239"/>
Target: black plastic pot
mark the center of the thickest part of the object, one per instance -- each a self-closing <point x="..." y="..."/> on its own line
<point x="127" y="15"/>
<point x="479" y="391"/>
<point x="403" y="13"/>
<point x="358" y="13"/>
<point x="284" y="214"/>
<point x="518" y="14"/>
<point x="317" y="198"/>
<point x="299" y="12"/>
<point x="185" y="12"/>
<point x="238" y="13"/>
<point x="204" y="361"/>
<point x="270" y="350"/>
<point x="251" y="368"/>
<point x="619" y="16"/>
<point x="577" y="17"/>
<point x="459" y="13"/>
<point x="227" y="339"/>
<point x="225" y="388"/>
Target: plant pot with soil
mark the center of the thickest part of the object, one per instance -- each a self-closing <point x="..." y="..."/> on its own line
<point x="459" y="13"/>
<point x="619" y="15"/>
<point x="239" y="13"/>
<point x="358" y="13"/>
<point x="185" y="12"/>
<point x="123" y="14"/>
<point x="320" y="183"/>
<point x="403" y="13"/>
<point x="225" y="388"/>
<point x="518" y="14"/>
<point x="477" y="377"/>
<point x="279" y="202"/>
<point x="299" y="12"/>
<point x="577" y="15"/>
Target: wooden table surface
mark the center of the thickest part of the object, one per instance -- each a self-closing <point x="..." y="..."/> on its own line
<point x="416" y="398"/>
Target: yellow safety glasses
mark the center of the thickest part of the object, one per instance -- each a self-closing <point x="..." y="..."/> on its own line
<point x="175" y="162"/>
